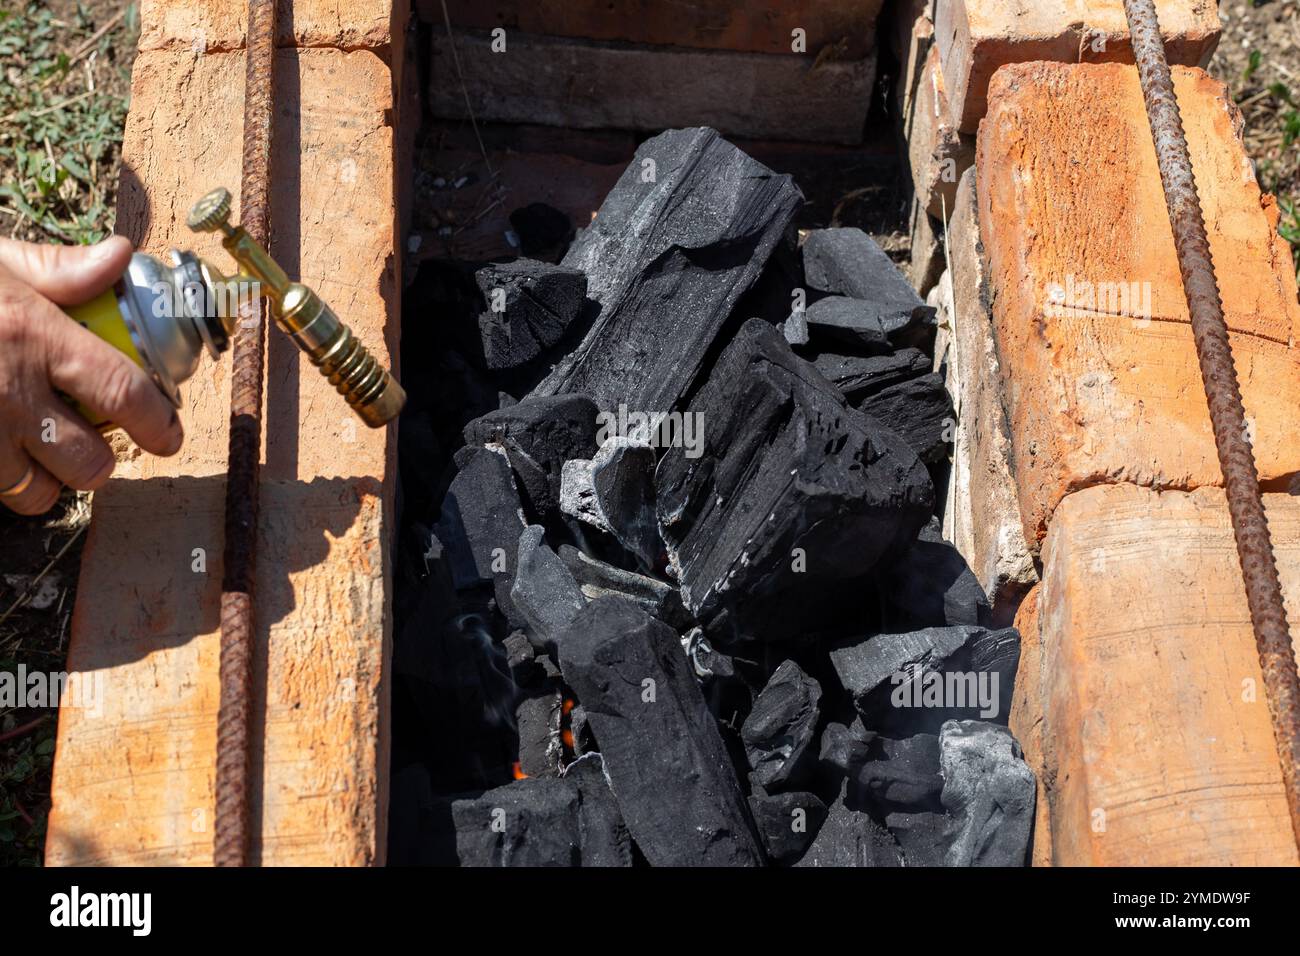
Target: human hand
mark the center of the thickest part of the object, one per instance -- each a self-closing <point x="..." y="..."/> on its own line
<point x="44" y="443"/>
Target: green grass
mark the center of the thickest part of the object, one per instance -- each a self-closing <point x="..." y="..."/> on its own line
<point x="61" y="121"/>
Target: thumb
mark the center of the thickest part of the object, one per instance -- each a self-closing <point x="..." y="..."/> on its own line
<point x="66" y="275"/>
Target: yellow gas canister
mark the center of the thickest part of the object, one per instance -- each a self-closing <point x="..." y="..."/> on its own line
<point x="163" y="319"/>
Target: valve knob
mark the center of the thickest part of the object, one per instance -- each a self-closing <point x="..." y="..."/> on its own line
<point x="212" y="212"/>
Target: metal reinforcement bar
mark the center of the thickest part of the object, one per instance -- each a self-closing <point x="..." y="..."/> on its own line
<point x="231" y="836"/>
<point x="1227" y="415"/>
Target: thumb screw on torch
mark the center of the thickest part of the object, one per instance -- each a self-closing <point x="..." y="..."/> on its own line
<point x="328" y="342"/>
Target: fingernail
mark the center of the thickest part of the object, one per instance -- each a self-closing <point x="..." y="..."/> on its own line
<point x="175" y="440"/>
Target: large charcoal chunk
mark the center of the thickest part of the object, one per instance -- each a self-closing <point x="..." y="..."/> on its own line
<point x="920" y="411"/>
<point x="913" y="682"/>
<point x="847" y="262"/>
<point x="849" y="837"/>
<point x="540" y="433"/>
<point x="536" y="821"/>
<point x="932" y="586"/>
<point x="794" y="490"/>
<point x="681" y="236"/>
<point x="667" y="763"/>
<point x="838" y="320"/>
<point x="544" y="593"/>
<point x="481" y="521"/>
<point x="861" y="376"/>
<point x="530" y="305"/>
<point x="988" y="791"/>
<point x="787" y="822"/>
<point x="779" y="731"/>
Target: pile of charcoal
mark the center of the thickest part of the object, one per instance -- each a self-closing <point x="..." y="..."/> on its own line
<point x="670" y="585"/>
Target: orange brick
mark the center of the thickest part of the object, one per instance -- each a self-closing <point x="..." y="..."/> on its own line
<point x="976" y="37"/>
<point x="214" y="26"/>
<point x="1026" y="721"/>
<point x="1156" y="735"/>
<point x="982" y="516"/>
<point x="938" y="154"/>
<point x="1069" y="198"/>
<point x="135" y="785"/>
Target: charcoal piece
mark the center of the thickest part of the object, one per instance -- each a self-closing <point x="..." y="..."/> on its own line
<point x="544" y="593"/>
<point x="988" y="791"/>
<point x="847" y="262"/>
<point x="533" y="482"/>
<point x="922" y="837"/>
<point x="602" y="832"/>
<point x="932" y="586"/>
<point x="850" y="837"/>
<point x="521" y="659"/>
<point x="537" y="717"/>
<point x="622" y="476"/>
<point x="667" y="258"/>
<point x="543" y="230"/>
<point x="536" y="821"/>
<point x="844" y="749"/>
<point x="780" y="730"/>
<point x="794" y="490"/>
<point x="529" y="306"/>
<point x="912" y="682"/>
<point x="615" y="492"/>
<point x="666" y="762"/>
<point x="905" y="776"/>
<point x="598" y="578"/>
<point x="838" y="321"/>
<point x="787" y="822"/>
<point x="861" y="376"/>
<point x="584" y="741"/>
<point x="920" y="411"/>
<point x="481" y="521"/>
<point x="544" y="432"/>
<point x="707" y="662"/>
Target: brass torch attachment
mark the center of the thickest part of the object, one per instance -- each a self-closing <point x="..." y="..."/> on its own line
<point x="331" y="346"/>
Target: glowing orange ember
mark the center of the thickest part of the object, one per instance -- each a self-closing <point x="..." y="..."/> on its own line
<point x="518" y="771"/>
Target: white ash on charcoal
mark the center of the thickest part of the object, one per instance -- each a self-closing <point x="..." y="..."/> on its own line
<point x="615" y="492"/>
<point x="780" y="731"/>
<point x="919" y="411"/>
<point x="598" y="578"/>
<point x="931" y="585"/>
<point x="529" y="306"/>
<point x="539" y="434"/>
<point x="989" y="793"/>
<point x="787" y="823"/>
<point x="912" y="682"/>
<point x="794" y="491"/>
<point x="537" y="821"/>
<point x="667" y="764"/>
<point x="861" y="376"/>
<point x="847" y="262"/>
<point x="683" y="233"/>
<point x="544" y="593"/>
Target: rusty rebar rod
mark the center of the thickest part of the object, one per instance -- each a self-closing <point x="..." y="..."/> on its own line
<point x="231" y="831"/>
<point x="1227" y="414"/>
